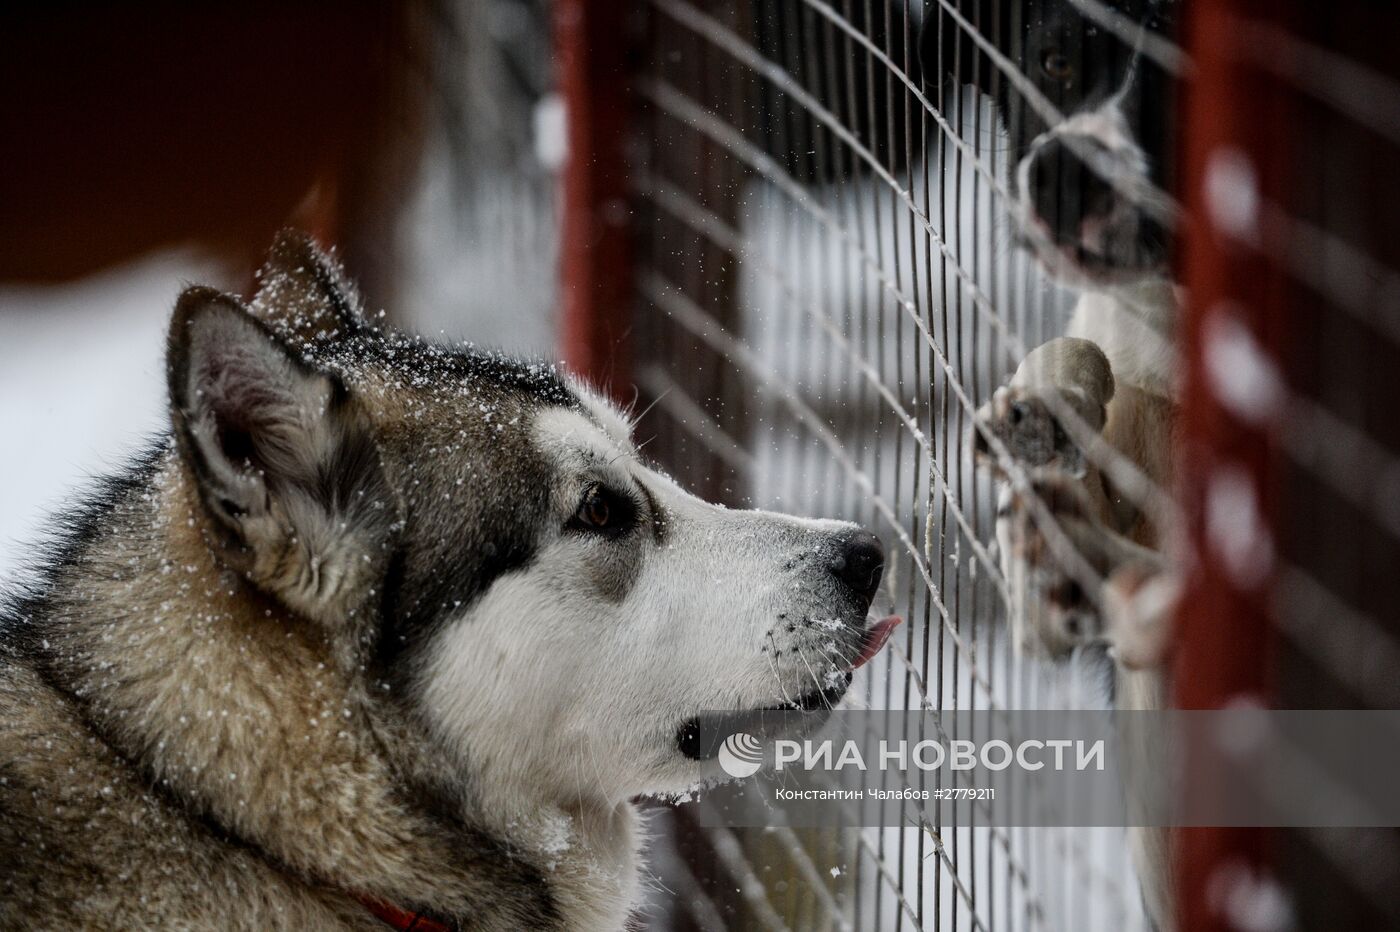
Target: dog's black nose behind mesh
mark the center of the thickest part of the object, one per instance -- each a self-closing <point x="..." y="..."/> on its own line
<point x="1065" y="191"/>
<point x="859" y="563"/>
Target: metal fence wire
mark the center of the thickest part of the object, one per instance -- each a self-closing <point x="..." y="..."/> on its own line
<point x="829" y="287"/>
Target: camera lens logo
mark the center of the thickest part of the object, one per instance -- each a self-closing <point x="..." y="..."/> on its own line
<point x="741" y="755"/>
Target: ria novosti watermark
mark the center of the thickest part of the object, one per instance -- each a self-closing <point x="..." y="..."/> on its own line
<point x="1030" y="754"/>
<point x="1243" y="766"/>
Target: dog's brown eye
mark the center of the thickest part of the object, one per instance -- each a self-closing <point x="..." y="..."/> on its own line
<point x="594" y="511"/>
<point x="1056" y="65"/>
<point x="605" y="512"/>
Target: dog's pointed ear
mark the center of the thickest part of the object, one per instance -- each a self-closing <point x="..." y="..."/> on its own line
<point x="283" y="458"/>
<point x="303" y="294"/>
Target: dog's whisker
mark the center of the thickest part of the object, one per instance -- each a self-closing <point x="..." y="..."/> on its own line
<point x="773" y="662"/>
<point x="816" y="681"/>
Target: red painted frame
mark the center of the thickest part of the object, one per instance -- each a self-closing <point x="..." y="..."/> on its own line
<point x="595" y="56"/>
<point x="1224" y="644"/>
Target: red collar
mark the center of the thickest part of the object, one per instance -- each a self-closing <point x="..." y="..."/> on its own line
<point x="401" y="919"/>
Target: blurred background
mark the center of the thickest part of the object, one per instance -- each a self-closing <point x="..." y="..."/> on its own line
<point x="148" y="146"/>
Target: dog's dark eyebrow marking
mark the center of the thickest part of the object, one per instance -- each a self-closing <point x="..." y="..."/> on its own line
<point x="658" y="520"/>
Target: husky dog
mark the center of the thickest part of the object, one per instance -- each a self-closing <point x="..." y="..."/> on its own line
<point x="385" y="632"/>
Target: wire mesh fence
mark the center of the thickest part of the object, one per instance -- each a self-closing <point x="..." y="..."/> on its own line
<point x="829" y="288"/>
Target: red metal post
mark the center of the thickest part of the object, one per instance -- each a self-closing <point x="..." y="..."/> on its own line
<point x="1232" y="123"/>
<point x="595" y="56"/>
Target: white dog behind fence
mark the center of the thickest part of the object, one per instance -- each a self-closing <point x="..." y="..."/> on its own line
<point x="832" y="282"/>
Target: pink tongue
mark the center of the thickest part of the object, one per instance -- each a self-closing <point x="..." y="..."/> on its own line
<point x="875" y="639"/>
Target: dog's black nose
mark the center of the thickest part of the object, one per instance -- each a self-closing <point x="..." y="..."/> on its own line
<point x="859" y="563"/>
<point x="1065" y="191"/>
